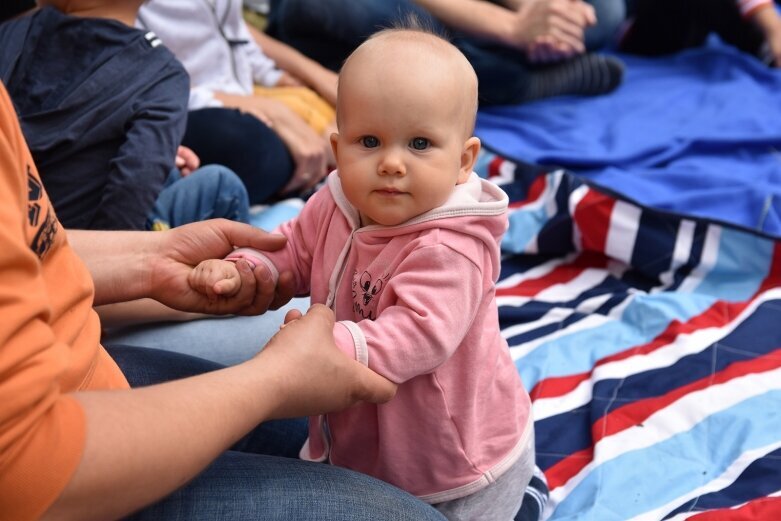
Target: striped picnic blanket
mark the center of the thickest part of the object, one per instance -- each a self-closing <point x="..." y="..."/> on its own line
<point x="651" y="346"/>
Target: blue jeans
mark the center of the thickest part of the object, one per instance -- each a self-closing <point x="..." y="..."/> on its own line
<point x="255" y="480"/>
<point x="225" y="340"/>
<point x="610" y="15"/>
<point x="686" y="24"/>
<point x="245" y="145"/>
<point x="329" y="30"/>
<point x="211" y="191"/>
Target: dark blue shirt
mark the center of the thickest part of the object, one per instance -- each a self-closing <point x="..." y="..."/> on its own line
<point x="102" y="106"/>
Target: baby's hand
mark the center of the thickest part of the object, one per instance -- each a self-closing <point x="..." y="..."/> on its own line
<point x="215" y="278"/>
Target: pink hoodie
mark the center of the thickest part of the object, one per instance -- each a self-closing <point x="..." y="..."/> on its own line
<point x="416" y="303"/>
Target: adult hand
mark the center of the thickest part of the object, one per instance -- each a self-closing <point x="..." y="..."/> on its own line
<point x="550" y="30"/>
<point x="187" y="161"/>
<point x="309" y="151"/>
<point x="313" y="374"/>
<point x="180" y="249"/>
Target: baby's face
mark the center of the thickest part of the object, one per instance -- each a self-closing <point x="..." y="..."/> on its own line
<point x="401" y="142"/>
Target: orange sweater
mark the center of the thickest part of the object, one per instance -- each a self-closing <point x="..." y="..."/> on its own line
<point x="49" y="337"/>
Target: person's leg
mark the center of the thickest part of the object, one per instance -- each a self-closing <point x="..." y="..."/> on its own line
<point x="329" y="30"/>
<point x="506" y="78"/>
<point x="240" y="486"/>
<point x="723" y="17"/>
<point x="534" y="498"/>
<point x="499" y="501"/>
<point x="244" y="144"/>
<point x="610" y="16"/>
<point x="664" y="26"/>
<point x="225" y="340"/>
<point x="252" y="486"/>
<point x="144" y="366"/>
<point x="660" y="27"/>
<point x="212" y="191"/>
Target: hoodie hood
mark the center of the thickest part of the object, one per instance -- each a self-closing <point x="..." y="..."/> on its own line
<point x="476" y="207"/>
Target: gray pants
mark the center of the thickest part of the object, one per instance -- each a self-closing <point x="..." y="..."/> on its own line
<point x="500" y="500"/>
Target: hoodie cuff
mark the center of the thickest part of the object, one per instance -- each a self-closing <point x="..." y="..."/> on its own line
<point x="350" y="340"/>
<point x="255" y="258"/>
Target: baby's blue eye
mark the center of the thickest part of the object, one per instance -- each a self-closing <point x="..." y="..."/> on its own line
<point x="419" y="143"/>
<point x="370" y="141"/>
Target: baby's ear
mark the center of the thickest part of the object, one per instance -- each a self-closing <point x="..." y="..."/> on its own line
<point x="334" y="138"/>
<point x="468" y="158"/>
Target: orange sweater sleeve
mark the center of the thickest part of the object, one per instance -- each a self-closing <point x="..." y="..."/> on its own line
<point x="49" y="337"/>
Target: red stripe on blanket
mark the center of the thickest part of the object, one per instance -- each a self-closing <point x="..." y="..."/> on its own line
<point x="536" y="190"/>
<point x="559" y="275"/>
<point x="561" y="472"/>
<point x="636" y="413"/>
<point x="762" y="508"/>
<point x="495" y="166"/>
<point x="718" y="315"/>
<point x="592" y="216"/>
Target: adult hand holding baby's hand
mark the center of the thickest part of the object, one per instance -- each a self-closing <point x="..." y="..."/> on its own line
<point x="313" y="375"/>
<point x="179" y="250"/>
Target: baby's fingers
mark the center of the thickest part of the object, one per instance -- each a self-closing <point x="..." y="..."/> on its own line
<point x="227" y="287"/>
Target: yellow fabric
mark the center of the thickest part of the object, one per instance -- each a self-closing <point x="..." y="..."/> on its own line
<point x="313" y="109"/>
<point x="49" y="337"/>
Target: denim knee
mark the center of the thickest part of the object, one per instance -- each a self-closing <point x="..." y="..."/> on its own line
<point x="610" y="15"/>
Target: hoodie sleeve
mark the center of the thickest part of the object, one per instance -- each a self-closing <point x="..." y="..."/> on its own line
<point x="302" y="235"/>
<point x="430" y="312"/>
<point x="142" y="164"/>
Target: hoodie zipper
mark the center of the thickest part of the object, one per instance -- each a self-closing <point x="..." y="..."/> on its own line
<point x="338" y="275"/>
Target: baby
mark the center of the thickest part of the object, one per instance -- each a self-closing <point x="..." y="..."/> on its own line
<point x="403" y="243"/>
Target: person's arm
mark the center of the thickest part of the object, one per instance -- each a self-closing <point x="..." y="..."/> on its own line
<point x="558" y="23"/>
<point x="308" y="71"/>
<point x="142" y="311"/>
<point x="422" y="328"/>
<point x="156" y="265"/>
<point x="309" y="151"/>
<point x="139" y="169"/>
<point x="767" y="19"/>
<point x="140" y="445"/>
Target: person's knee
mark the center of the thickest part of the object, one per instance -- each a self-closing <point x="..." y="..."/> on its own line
<point x="610" y="15"/>
<point x="225" y="191"/>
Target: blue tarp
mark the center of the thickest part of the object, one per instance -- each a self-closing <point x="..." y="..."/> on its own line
<point x="697" y="133"/>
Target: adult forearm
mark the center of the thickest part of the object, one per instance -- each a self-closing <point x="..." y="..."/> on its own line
<point x="473" y="17"/>
<point x="143" y="444"/>
<point x="144" y="311"/>
<point x="118" y="261"/>
<point x="302" y="67"/>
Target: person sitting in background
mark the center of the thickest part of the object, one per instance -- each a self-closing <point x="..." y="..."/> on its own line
<point x="521" y="50"/>
<point x="13" y="8"/>
<point x="245" y="111"/>
<point x="660" y="27"/>
<point x="103" y="108"/>
<point x="195" y="193"/>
